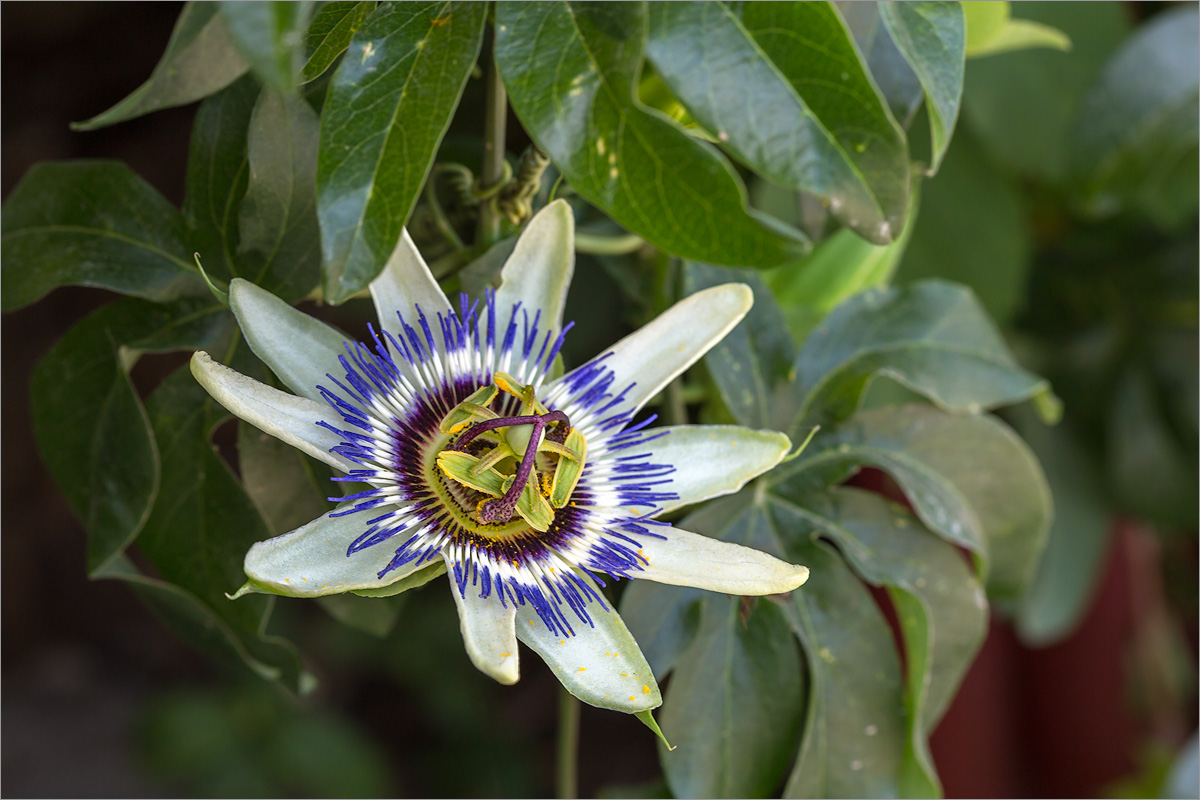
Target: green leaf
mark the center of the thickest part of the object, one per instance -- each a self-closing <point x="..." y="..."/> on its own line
<point x="199" y="530"/>
<point x="971" y="194"/>
<point x="940" y="605"/>
<point x="389" y="105"/>
<point x="734" y="705"/>
<point x="1007" y="97"/>
<point x="329" y="34"/>
<point x="1136" y="136"/>
<point x="217" y="174"/>
<point x="90" y="426"/>
<point x="838" y="268"/>
<point x="279" y="246"/>
<point x="932" y="337"/>
<point x="571" y="70"/>
<point x="1069" y="569"/>
<point x="991" y="30"/>
<point x="756" y="356"/>
<point x="932" y="37"/>
<point x="813" y="121"/>
<point x="200" y="59"/>
<point x="268" y="35"/>
<point x="93" y="223"/>
<point x="854" y="732"/>
<point x="970" y="479"/>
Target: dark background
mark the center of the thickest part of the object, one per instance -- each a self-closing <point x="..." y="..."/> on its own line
<point x="99" y="700"/>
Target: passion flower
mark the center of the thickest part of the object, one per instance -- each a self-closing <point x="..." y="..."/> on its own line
<point x="465" y="460"/>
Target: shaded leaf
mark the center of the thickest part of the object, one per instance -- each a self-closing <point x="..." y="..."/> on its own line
<point x="854" y="733"/>
<point x="217" y="174"/>
<point x="268" y="34"/>
<point x="940" y="605"/>
<point x="645" y="172"/>
<point x="329" y="34"/>
<point x="91" y="428"/>
<point x="1136" y="139"/>
<point x="389" y="104"/>
<point x="734" y="705"/>
<point x="814" y="120"/>
<point x="932" y="37"/>
<point x="94" y="223"/>
<point x="279" y="246"/>
<point x="932" y="337"/>
<point x="200" y="59"/>
<point x="970" y="479"/>
<point x="756" y="356"/>
<point x="200" y="528"/>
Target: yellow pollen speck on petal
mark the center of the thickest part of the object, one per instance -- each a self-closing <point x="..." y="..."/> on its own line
<point x="562" y="641"/>
<point x="530" y="622"/>
<point x="583" y="669"/>
<point x="623" y="675"/>
<point x="287" y="580"/>
<point x="645" y="690"/>
<point x="630" y="697"/>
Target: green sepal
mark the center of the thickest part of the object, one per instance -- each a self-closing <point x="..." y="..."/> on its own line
<point x="647" y="719"/>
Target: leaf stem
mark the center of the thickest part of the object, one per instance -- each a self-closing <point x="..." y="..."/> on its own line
<point x="492" y="173"/>
<point x="566" y="778"/>
<point x="601" y="245"/>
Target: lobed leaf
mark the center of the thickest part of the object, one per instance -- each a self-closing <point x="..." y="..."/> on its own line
<point x="389" y="104"/>
<point x="571" y="70"/>
<point x="932" y="337"/>
<point x="94" y="223"/>
<point x="814" y="121"/>
<point x="201" y="58"/>
<point x="970" y="479"/>
<point x="932" y="36"/>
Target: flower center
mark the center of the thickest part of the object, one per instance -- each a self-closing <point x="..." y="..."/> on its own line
<point x="526" y="464"/>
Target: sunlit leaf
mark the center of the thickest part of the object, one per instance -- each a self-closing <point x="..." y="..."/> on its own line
<point x="389" y="104"/>
<point x="783" y="88"/>
<point x="329" y="34"/>
<point x="571" y="71"/>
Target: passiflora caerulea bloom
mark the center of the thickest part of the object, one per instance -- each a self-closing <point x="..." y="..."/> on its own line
<point x="465" y="459"/>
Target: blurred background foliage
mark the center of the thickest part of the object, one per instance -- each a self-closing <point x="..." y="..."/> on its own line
<point x="1066" y="199"/>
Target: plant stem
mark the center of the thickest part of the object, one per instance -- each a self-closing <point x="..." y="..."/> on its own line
<point x="601" y="245"/>
<point x="492" y="173"/>
<point x="566" y="779"/>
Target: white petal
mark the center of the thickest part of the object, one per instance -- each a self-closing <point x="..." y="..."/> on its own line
<point x="602" y="666"/>
<point x="488" y="632"/>
<point x="288" y="418"/>
<point x="653" y="355"/>
<point x="312" y="561"/>
<point x="689" y="559"/>
<point x="404" y="284"/>
<point x="298" y="348"/>
<point x="710" y="460"/>
<point x="539" y="270"/>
